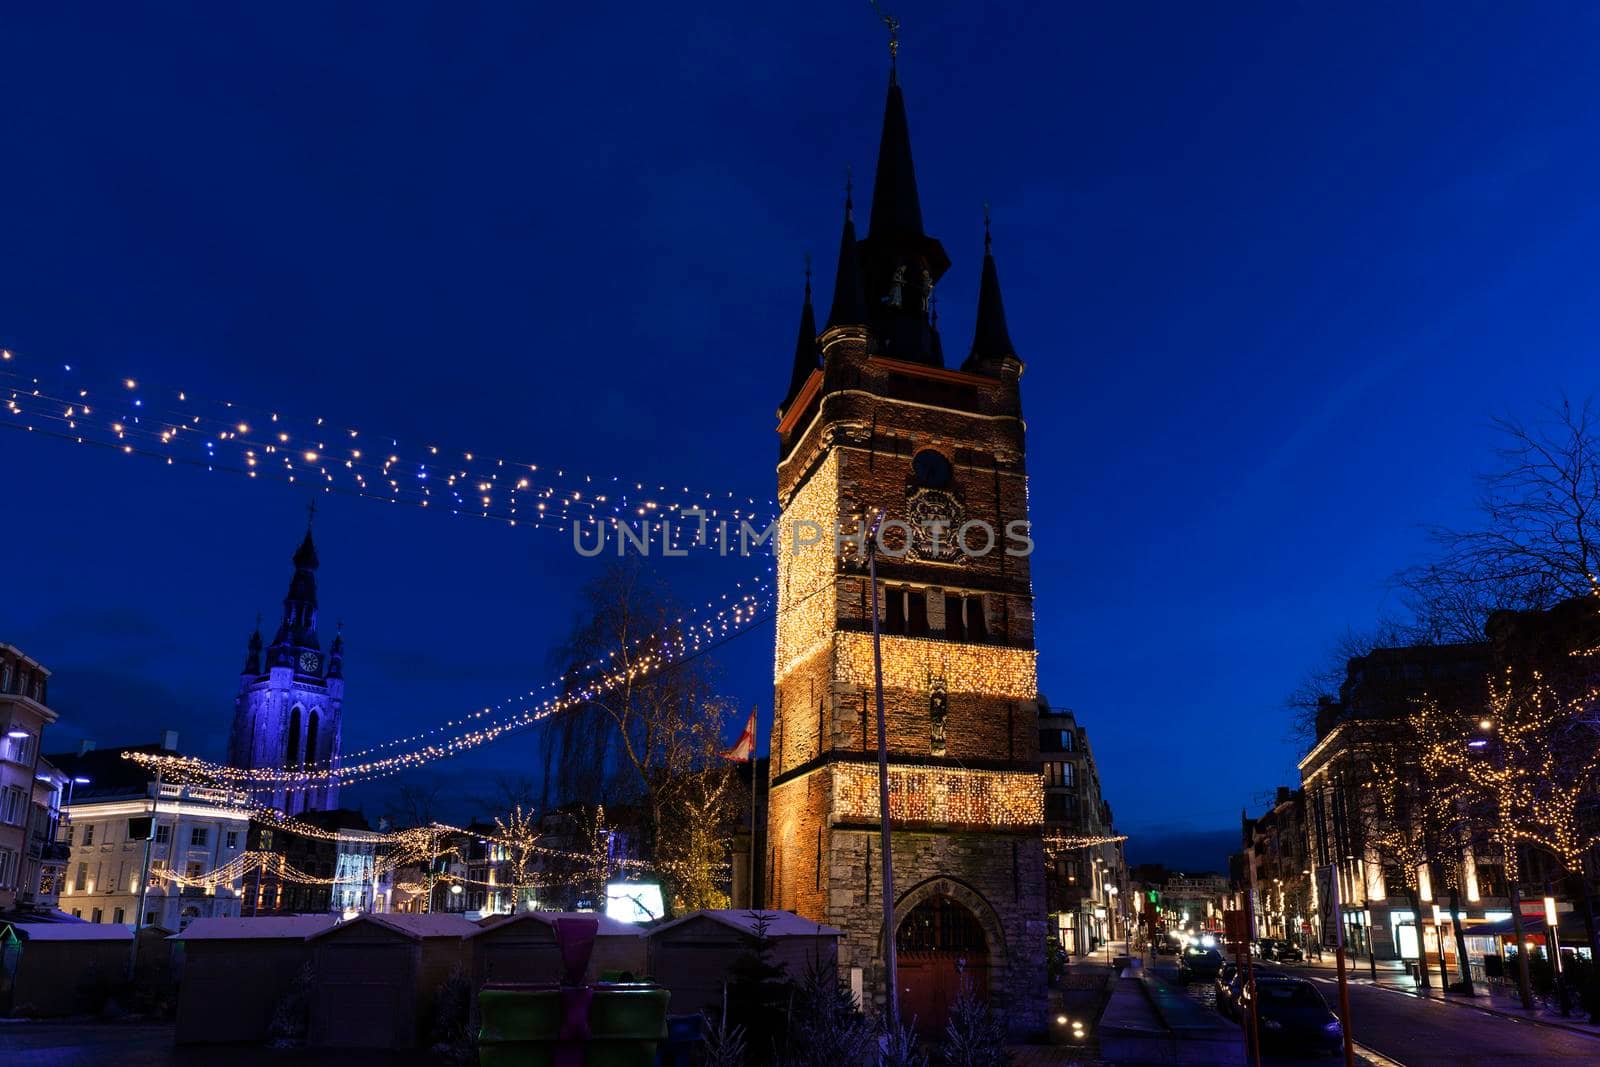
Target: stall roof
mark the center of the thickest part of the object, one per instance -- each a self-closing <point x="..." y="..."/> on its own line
<point x="607" y="927"/>
<point x="416" y="927"/>
<point x="779" y="923"/>
<point x="264" y="927"/>
<point x="71" y="931"/>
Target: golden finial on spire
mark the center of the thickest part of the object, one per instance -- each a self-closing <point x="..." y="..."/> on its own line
<point x="894" y="31"/>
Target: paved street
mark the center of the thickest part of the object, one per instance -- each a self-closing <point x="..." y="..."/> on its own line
<point x="94" y="1044"/>
<point x="1393" y="1026"/>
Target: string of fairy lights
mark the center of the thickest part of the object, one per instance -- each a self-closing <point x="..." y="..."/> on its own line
<point x="471" y="733"/>
<point x="687" y="634"/>
<point x="180" y="427"/>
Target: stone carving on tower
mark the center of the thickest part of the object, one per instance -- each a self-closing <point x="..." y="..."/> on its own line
<point x="291" y="696"/>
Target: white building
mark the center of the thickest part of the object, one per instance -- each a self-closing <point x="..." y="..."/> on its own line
<point x="194" y="857"/>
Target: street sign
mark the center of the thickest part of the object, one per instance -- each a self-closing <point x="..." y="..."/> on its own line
<point x="1326" y="901"/>
<point x="1237" y="925"/>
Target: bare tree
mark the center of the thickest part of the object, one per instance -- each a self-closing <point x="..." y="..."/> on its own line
<point x="1320" y="685"/>
<point x="642" y="734"/>
<point x="1539" y="539"/>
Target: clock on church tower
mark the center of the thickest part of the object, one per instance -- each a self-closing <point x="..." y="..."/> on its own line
<point x="291" y="696"/>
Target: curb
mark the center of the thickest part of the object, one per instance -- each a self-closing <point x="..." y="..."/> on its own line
<point x="1553" y="1024"/>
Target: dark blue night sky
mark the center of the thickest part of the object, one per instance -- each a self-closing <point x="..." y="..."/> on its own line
<point x="1272" y="269"/>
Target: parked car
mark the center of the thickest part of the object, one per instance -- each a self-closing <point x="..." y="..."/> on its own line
<point x="1167" y="943"/>
<point x="1266" y="947"/>
<point x="1197" y="964"/>
<point x="1291" y="1014"/>
<point x="1287" y="952"/>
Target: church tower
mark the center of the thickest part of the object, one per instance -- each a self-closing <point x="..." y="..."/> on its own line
<point x="287" y="712"/>
<point x="874" y="422"/>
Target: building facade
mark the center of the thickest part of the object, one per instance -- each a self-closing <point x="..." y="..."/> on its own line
<point x="1340" y="800"/>
<point x="1279" y="872"/>
<point x="875" y="424"/>
<point x="122" y="823"/>
<point x="1085" y="883"/>
<point x="290" y="700"/>
<point x="24" y="714"/>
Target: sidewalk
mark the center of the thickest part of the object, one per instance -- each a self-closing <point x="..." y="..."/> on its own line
<point x="1493" y="998"/>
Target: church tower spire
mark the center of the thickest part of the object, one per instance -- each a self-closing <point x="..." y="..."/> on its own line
<point x="899" y="263"/>
<point x="849" y="307"/>
<point x="805" y="347"/>
<point x="991" y="340"/>
<point x="288" y="711"/>
<point x="298" y="628"/>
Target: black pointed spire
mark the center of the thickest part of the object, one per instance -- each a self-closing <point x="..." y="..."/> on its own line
<point x="805" y="346"/>
<point x="298" y="629"/>
<point x="899" y="263"/>
<point x="896" y="208"/>
<point x="252" y="659"/>
<point x="991" y="340"/>
<point x="849" y="308"/>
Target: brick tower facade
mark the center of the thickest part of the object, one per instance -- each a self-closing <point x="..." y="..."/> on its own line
<point x="873" y="421"/>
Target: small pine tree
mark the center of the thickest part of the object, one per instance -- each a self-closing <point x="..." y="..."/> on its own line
<point x="724" y="1046"/>
<point x="451" y="1029"/>
<point x="901" y="1047"/>
<point x="972" y="1036"/>
<point x="291" y="1018"/>
<point x="825" y="1027"/>
<point x="759" y="992"/>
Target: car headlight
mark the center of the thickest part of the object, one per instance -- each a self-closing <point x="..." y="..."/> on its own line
<point x="1272" y="1024"/>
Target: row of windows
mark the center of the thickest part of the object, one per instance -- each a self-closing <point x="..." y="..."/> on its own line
<point x="21" y="682"/>
<point x="199" y="836"/>
<point x="905" y="611"/>
<point x="1058" y="774"/>
<point x="1057" y="741"/>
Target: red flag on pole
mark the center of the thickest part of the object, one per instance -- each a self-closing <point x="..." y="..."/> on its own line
<point x="745" y="747"/>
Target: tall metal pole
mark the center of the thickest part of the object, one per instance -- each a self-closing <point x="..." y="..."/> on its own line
<point x="891" y="969"/>
<point x="144" y="881"/>
<point x="753" y="902"/>
<point x="1344" y="983"/>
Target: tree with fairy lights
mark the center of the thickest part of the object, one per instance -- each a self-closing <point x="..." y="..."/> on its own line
<point x="1531" y="763"/>
<point x="650" y="743"/>
<point x="1409" y="816"/>
<point x="518" y="834"/>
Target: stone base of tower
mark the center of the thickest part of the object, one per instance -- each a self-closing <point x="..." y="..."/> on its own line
<point x="940" y="878"/>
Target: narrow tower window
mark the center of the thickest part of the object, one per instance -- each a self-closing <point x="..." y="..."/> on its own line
<point x="293" y="756"/>
<point x="311" y="739"/>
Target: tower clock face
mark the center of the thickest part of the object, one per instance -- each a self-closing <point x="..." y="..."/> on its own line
<point x="309" y="662"/>
<point x="925" y="509"/>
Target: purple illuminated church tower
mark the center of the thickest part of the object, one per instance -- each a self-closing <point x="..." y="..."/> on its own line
<point x="287" y="710"/>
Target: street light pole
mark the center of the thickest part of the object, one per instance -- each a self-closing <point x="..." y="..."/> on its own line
<point x="891" y="970"/>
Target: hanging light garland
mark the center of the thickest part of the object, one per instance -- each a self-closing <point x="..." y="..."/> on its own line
<point x="178" y="427"/>
<point x="470" y="733"/>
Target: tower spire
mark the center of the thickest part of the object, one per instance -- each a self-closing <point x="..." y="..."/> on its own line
<point x="298" y="629"/>
<point x="805" y="346"/>
<point x="849" y="308"/>
<point x="900" y="264"/>
<point x="991" y="340"/>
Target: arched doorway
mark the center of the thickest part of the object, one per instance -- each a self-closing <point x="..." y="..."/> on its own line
<point x="940" y="947"/>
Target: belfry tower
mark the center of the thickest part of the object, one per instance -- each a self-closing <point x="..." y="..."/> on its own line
<point x="287" y="712"/>
<point x="873" y="421"/>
